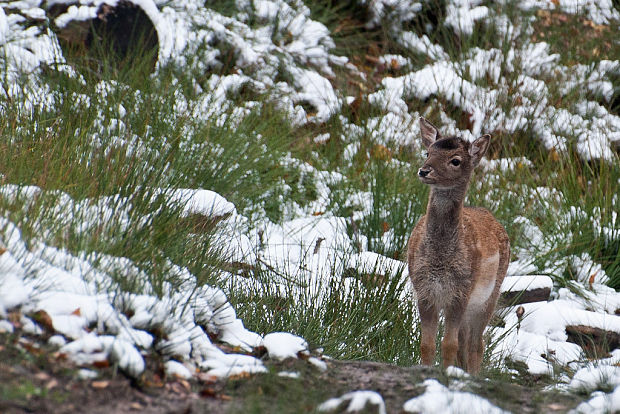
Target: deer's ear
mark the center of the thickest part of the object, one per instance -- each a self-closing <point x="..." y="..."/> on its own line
<point x="430" y="133"/>
<point x="478" y="148"/>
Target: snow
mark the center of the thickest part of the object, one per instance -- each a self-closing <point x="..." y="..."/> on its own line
<point x="522" y="283"/>
<point x="357" y="401"/>
<point x="318" y="363"/>
<point x="282" y="345"/>
<point x="439" y="399"/>
<point x="204" y="202"/>
<point x="6" y="326"/>
<point x="456" y="372"/>
<point x="289" y="374"/>
<point x="87" y="374"/>
<point x="592" y="377"/>
<point x="175" y="368"/>
<point x="600" y="403"/>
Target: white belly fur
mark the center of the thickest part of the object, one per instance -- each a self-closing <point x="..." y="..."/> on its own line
<point x="483" y="289"/>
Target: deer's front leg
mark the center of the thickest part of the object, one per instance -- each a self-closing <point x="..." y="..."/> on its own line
<point x="450" y="343"/>
<point x="429" y="317"/>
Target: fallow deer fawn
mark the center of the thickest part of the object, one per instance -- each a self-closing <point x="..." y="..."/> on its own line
<point x="458" y="256"/>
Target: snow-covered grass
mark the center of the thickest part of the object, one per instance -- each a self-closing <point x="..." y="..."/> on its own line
<point x="301" y="122"/>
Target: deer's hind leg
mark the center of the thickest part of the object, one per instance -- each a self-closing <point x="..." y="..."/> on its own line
<point x="479" y="322"/>
<point x="476" y="344"/>
<point x="464" y="343"/>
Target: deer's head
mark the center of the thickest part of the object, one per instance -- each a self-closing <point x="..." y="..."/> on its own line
<point x="450" y="160"/>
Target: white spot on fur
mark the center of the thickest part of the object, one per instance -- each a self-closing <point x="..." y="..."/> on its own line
<point x="480" y="295"/>
<point x="484" y="287"/>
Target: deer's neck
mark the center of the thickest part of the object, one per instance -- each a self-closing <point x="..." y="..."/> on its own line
<point x="444" y="214"/>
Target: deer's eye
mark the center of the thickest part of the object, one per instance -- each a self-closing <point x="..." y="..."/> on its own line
<point x="456" y="162"/>
<point x="426" y="154"/>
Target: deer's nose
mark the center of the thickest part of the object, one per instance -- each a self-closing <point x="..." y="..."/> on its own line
<point x="423" y="172"/>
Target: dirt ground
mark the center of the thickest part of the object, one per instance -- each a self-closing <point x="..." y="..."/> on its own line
<point x="35" y="378"/>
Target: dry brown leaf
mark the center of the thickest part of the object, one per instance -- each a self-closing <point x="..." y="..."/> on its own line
<point x="103" y="363"/>
<point x="520" y="311"/>
<point x="204" y="377"/>
<point x="177" y="388"/>
<point x="44" y="319"/>
<point x="185" y="384"/>
<point x="242" y="375"/>
<point x="53" y="383"/>
<point x="31" y="347"/>
<point x="100" y="384"/>
<point x="77" y="312"/>
<point x="208" y="392"/>
<point x="42" y="376"/>
<point x="592" y="278"/>
<point x="136" y="406"/>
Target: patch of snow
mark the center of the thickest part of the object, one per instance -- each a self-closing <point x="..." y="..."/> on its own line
<point x="318" y="363"/>
<point x="439" y="399"/>
<point x="6" y="326"/>
<point x="357" y="401"/>
<point x="87" y="374"/>
<point x="592" y="377"/>
<point x="456" y="372"/>
<point x="600" y="403"/>
<point x="175" y="368"/>
<point x="529" y="282"/>
<point x="289" y="374"/>
<point x="282" y="345"/>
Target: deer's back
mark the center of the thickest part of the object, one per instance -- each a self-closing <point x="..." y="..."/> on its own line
<point x="486" y="233"/>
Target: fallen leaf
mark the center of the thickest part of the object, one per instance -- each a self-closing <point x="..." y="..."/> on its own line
<point x="185" y="384"/>
<point x="592" y="278"/>
<point x="242" y="375"/>
<point x="204" y="377"/>
<point x="136" y="406"/>
<point x="53" y="383"/>
<point x="61" y="356"/>
<point x="77" y="312"/>
<point x="155" y="381"/>
<point x="520" y="311"/>
<point x="104" y="363"/>
<point x="31" y="347"/>
<point x="2" y="250"/>
<point x="208" y="392"/>
<point x="177" y="388"/>
<point x="44" y="319"/>
<point x="100" y="384"/>
<point x="42" y="376"/>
